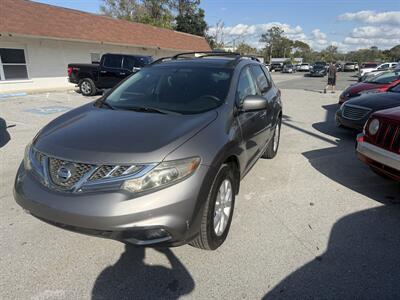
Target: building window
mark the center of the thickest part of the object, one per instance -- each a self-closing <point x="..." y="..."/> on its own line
<point x="12" y="64"/>
<point x="95" y="58"/>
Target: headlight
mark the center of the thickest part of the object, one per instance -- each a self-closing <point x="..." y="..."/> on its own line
<point x="27" y="157"/>
<point x="373" y="126"/>
<point x="165" y="173"/>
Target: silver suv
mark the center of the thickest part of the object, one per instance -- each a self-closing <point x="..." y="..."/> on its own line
<point x="157" y="160"/>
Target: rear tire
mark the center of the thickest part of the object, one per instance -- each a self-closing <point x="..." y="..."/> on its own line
<point x="87" y="87"/>
<point x="217" y="207"/>
<point x="273" y="145"/>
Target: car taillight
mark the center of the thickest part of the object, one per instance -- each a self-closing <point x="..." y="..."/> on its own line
<point x="69" y="71"/>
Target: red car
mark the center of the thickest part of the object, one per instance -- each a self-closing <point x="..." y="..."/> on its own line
<point x="379" y="83"/>
<point x="379" y="145"/>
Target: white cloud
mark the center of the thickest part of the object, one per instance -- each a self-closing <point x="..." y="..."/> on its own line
<point x="372" y="17"/>
<point x="381" y="29"/>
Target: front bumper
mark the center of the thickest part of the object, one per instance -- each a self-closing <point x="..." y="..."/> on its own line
<point x="353" y="124"/>
<point x="385" y="161"/>
<point x="117" y="214"/>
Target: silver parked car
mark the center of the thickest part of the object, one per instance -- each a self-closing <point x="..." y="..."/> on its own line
<point x="157" y="160"/>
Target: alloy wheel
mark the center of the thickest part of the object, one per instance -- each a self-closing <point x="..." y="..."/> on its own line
<point x="223" y="207"/>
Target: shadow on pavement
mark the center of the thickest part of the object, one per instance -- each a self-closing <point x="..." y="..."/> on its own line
<point x="341" y="164"/>
<point x="362" y="258"/>
<point x="361" y="262"/>
<point x="131" y="278"/>
<point x="4" y="135"/>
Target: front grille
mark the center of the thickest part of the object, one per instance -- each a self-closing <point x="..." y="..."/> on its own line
<point x="67" y="175"/>
<point x="354" y="112"/>
<point x="77" y="171"/>
<point x="388" y="136"/>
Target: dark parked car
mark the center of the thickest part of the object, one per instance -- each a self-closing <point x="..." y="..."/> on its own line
<point x="379" y="145"/>
<point x="318" y="71"/>
<point x="277" y="67"/>
<point x="112" y="69"/>
<point x="378" y="84"/>
<point x="355" y="112"/>
<point x="159" y="159"/>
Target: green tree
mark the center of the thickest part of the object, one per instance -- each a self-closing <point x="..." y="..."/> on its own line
<point x="330" y="53"/>
<point x="153" y="12"/>
<point x="271" y="39"/>
<point x="192" y="23"/>
<point x="246" y="49"/>
<point x="120" y="9"/>
<point x="156" y="12"/>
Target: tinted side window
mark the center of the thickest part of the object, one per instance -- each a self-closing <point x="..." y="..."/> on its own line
<point x="246" y="85"/>
<point x="113" y="61"/>
<point x="260" y="77"/>
<point x="129" y="63"/>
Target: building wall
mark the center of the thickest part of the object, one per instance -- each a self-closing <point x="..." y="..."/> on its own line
<point x="47" y="60"/>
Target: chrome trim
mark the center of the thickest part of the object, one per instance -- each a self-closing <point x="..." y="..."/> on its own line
<point x="83" y="184"/>
<point x="147" y="168"/>
<point x="380" y="155"/>
<point x="112" y="171"/>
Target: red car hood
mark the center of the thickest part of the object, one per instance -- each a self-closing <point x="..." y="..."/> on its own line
<point x="392" y="114"/>
<point x="364" y="86"/>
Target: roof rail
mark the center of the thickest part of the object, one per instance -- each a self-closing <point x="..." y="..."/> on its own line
<point x="200" y="54"/>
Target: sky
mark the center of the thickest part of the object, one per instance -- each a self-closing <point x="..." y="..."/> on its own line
<point x="347" y="24"/>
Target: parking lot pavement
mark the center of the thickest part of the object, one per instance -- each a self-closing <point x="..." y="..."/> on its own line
<point x="302" y="81"/>
<point x="312" y="223"/>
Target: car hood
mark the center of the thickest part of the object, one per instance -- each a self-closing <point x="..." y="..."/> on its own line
<point x="99" y="136"/>
<point x="377" y="101"/>
<point x="362" y="86"/>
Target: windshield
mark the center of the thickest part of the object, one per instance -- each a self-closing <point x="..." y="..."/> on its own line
<point x="370" y="65"/>
<point x="185" y="90"/>
<point x="395" y="89"/>
<point x="386" y="77"/>
<point x="349" y="64"/>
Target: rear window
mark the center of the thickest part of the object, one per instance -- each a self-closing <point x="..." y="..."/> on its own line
<point x="386" y="77"/>
<point x="186" y="90"/>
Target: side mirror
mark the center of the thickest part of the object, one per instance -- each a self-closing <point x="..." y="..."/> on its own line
<point x="253" y="103"/>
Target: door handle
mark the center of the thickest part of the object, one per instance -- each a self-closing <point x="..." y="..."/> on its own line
<point x="122" y="73"/>
<point x="103" y="72"/>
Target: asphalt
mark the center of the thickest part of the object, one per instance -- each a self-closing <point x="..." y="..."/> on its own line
<point x="312" y="223"/>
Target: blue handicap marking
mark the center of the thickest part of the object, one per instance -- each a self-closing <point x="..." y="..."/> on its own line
<point x="48" y="110"/>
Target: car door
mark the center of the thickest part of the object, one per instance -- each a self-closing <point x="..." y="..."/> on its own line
<point x="111" y="71"/>
<point x="264" y="87"/>
<point x="252" y="123"/>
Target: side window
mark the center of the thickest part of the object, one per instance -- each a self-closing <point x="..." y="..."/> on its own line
<point x="113" y="61"/>
<point x="385" y="66"/>
<point x="246" y="85"/>
<point x="128" y="63"/>
<point x="12" y="64"/>
<point x="260" y="77"/>
<point x="268" y="74"/>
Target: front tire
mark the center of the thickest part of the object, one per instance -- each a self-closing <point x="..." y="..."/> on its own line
<point x="218" y="211"/>
<point x="273" y="145"/>
<point x="87" y="87"/>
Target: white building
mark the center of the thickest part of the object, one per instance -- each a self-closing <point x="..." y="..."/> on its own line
<point x="37" y="41"/>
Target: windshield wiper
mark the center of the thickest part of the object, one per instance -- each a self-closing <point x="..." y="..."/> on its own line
<point x="150" y="110"/>
<point x="104" y="103"/>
